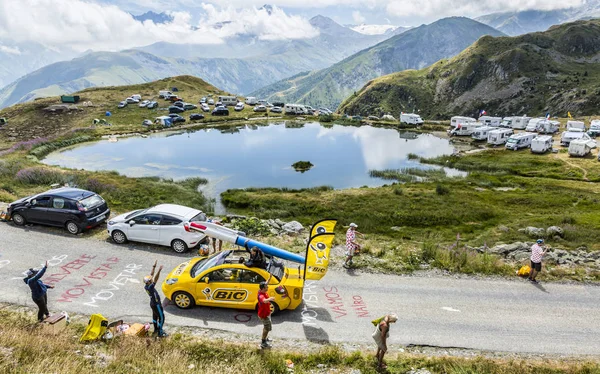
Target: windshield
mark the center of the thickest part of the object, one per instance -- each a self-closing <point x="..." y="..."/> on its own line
<point x="207" y="263"/>
<point x="90" y="202"/>
<point x="511" y="140"/>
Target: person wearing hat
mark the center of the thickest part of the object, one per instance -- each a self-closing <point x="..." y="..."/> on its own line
<point x="264" y="311"/>
<point x="537" y="253"/>
<point x="351" y="245"/>
<point x="38" y="290"/>
<point x="158" y="313"/>
<point x="380" y="335"/>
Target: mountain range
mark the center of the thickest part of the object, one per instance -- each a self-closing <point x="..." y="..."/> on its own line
<point x="555" y="72"/>
<point x="414" y="49"/>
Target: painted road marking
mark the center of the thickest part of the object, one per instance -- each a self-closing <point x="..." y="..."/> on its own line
<point x="449" y="309"/>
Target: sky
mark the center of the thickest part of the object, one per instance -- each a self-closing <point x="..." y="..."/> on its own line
<point x="107" y="24"/>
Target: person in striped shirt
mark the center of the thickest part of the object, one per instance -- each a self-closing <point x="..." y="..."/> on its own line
<point x="352" y="247"/>
<point x="537" y="253"/>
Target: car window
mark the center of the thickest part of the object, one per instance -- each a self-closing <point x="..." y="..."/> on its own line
<point x="200" y="217"/>
<point x="169" y="221"/>
<point x="249" y="276"/>
<point x="41" y="202"/>
<point x="90" y="202"/>
<point x="58" y="203"/>
<point x="148" y="219"/>
<point x="229" y="275"/>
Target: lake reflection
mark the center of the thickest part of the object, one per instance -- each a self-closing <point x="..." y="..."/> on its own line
<point x="260" y="156"/>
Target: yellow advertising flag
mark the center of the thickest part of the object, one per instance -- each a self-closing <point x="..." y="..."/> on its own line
<point x="569" y="114"/>
<point x="323" y="226"/>
<point x="317" y="256"/>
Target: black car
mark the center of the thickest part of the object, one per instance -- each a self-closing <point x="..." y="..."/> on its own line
<point x="176" y="118"/>
<point x="179" y="104"/>
<point x="220" y="111"/>
<point x="196" y="116"/>
<point x="71" y="208"/>
<point x="176" y="109"/>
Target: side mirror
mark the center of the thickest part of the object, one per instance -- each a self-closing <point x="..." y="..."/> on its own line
<point x="131" y="223"/>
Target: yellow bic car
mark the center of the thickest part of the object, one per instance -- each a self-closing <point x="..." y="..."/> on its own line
<point x="222" y="280"/>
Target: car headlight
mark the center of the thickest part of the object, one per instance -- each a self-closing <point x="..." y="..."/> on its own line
<point x="110" y="223"/>
<point x="171" y="281"/>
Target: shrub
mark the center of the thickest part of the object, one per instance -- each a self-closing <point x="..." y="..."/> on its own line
<point x="97" y="186"/>
<point x="442" y="190"/>
<point x="40" y="175"/>
<point x="252" y="226"/>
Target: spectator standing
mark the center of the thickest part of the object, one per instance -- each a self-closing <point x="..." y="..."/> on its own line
<point x="264" y="311"/>
<point x="537" y="253"/>
<point x="380" y="335"/>
<point x="214" y="240"/>
<point x="352" y="247"/>
<point x="38" y="290"/>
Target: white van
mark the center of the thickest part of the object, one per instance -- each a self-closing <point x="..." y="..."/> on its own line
<point x="594" y="128"/>
<point x="490" y="121"/>
<point x="581" y="147"/>
<point x="228" y="100"/>
<point x="532" y="126"/>
<point x="567" y="136"/>
<point x="520" y="140"/>
<point x="458" y="120"/>
<point x="136" y="97"/>
<point x="499" y="136"/>
<point x="481" y="132"/>
<point x="548" y="127"/>
<point x="163" y="94"/>
<point x="575" y="125"/>
<point x="520" y="123"/>
<point x="507" y="122"/>
<point x="465" y="129"/>
<point x="411" y="119"/>
<point x="251" y="100"/>
<point x="541" y="144"/>
<point x="295" y="109"/>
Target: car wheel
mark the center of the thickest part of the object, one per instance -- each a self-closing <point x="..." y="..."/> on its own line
<point x="179" y="246"/>
<point x="274" y="308"/>
<point x="183" y="300"/>
<point x="73" y="228"/>
<point x="119" y="237"/>
<point x="18" y="219"/>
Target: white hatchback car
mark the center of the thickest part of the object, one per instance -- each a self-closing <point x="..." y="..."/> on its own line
<point x="164" y="224"/>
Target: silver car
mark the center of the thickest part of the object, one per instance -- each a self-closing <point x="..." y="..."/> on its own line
<point x="165" y="224"/>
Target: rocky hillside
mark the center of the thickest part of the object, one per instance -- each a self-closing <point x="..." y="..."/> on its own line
<point x="413" y="49"/>
<point x="554" y="71"/>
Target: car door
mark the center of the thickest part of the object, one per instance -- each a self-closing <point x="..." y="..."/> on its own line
<point x="170" y="228"/>
<point x="60" y="210"/>
<point x="221" y="287"/>
<point x="145" y="228"/>
<point x="37" y="211"/>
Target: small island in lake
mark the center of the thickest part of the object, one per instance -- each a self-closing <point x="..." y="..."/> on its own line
<point x="302" y="166"/>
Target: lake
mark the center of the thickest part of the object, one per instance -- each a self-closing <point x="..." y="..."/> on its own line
<point x="260" y="155"/>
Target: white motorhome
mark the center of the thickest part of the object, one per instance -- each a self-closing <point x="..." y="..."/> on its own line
<point x="581" y="147"/>
<point x="464" y="129"/>
<point x="507" y="122"/>
<point x="499" y="136"/>
<point x="541" y="144"/>
<point x="228" y="100"/>
<point x="575" y="125"/>
<point x="532" y="125"/>
<point x="520" y="140"/>
<point x="251" y="100"/>
<point x="567" y="136"/>
<point x="490" y="121"/>
<point x="458" y="120"/>
<point x="295" y="109"/>
<point x="481" y="132"/>
<point x="594" y="128"/>
<point x="520" y="123"/>
<point x="136" y="97"/>
<point x="164" y="93"/>
<point x="411" y="119"/>
<point x="548" y="127"/>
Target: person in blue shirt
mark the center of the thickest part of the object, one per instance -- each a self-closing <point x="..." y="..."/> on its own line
<point x="38" y="290"/>
<point x="158" y="313"/>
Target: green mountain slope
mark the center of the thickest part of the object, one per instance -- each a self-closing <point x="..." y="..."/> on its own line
<point x="413" y="49"/>
<point x="554" y="71"/>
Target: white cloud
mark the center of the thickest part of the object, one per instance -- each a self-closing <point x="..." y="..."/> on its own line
<point x="357" y="17"/>
<point x="84" y="25"/>
<point x="10" y="50"/>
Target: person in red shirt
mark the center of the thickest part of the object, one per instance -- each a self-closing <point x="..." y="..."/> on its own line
<point x="264" y="311"/>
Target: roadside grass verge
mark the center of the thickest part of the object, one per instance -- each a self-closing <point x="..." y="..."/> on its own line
<point x="27" y="349"/>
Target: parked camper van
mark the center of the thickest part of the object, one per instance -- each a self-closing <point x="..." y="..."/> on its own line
<point x="575" y="125"/>
<point x="567" y="136"/>
<point x="520" y="123"/>
<point x="163" y="94"/>
<point x="548" y="127"/>
<point x="228" y="100"/>
<point x="295" y="109"/>
<point x="464" y="129"/>
<point x="520" y="140"/>
<point x="251" y="100"/>
<point x="490" y="121"/>
<point x="532" y="125"/>
<point x="457" y="120"/>
<point x="481" y="132"/>
<point x="499" y="136"/>
<point x="507" y="122"/>
<point x="594" y="128"/>
<point x="411" y="119"/>
<point x="581" y="147"/>
<point x="541" y="144"/>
